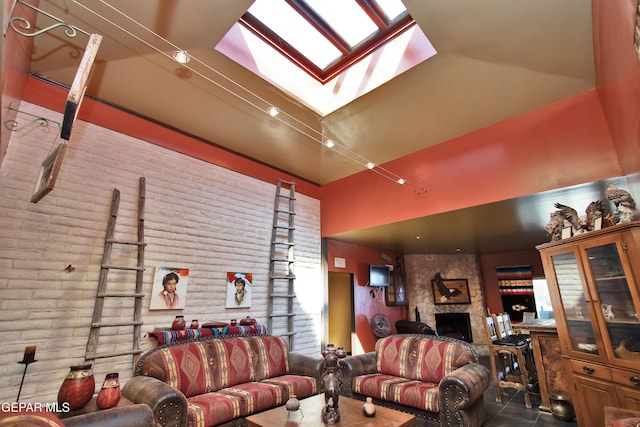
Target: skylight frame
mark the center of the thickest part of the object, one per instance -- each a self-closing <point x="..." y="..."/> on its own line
<point x="387" y="29"/>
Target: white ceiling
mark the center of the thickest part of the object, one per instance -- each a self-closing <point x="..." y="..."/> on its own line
<point x="496" y="59"/>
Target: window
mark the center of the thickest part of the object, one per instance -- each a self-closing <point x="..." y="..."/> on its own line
<point x="326" y="53"/>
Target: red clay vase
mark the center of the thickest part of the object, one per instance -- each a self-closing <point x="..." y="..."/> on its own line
<point x="78" y="387"/>
<point x="178" y="323"/>
<point x="109" y="394"/>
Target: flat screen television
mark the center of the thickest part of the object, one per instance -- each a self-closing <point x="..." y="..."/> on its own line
<point x="378" y="275"/>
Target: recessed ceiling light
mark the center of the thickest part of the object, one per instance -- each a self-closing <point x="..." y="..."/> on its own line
<point x="401" y="181"/>
<point x="417" y="237"/>
<point x="181" y="56"/>
<point x="371" y="165"/>
<point x="330" y="143"/>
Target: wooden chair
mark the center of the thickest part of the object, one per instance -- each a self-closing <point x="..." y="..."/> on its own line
<point x="510" y="365"/>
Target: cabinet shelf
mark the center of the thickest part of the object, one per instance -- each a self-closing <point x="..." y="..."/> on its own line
<point x="596" y="275"/>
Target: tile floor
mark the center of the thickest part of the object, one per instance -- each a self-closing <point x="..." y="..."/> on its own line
<point x="512" y="412"/>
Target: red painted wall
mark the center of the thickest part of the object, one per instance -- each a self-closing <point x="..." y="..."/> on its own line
<point x="563" y="144"/>
<point x="358" y="259"/>
<point x="16" y="57"/>
<point x="488" y="264"/>
<point x="618" y="76"/>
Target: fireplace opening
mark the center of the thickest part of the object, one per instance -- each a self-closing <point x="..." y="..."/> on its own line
<point x="455" y="325"/>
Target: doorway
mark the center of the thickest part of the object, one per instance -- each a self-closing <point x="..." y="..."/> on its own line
<point x="340" y="311"/>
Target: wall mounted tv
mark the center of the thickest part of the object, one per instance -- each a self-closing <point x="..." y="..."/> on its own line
<point x="378" y="275"/>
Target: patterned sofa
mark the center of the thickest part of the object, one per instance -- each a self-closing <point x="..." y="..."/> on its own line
<point x="219" y="381"/>
<point x="438" y="379"/>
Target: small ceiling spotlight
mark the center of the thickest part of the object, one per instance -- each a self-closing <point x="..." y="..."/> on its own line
<point x="181" y="56"/>
<point x="273" y="111"/>
<point x="401" y="181"/>
<point x="371" y="165"/>
<point x="330" y="143"/>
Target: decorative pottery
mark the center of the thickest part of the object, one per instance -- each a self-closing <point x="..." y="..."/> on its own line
<point x="194" y="324"/>
<point x="247" y="321"/>
<point x="109" y="394"/>
<point x="330" y="348"/>
<point x="369" y="409"/>
<point x="78" y="387"/>
<point x="293" y="404"/>
<point x="233" y="322"/>
<point x="341" y="353"/>
<point x="561" y="407"/>
<point x="178" y="323"/>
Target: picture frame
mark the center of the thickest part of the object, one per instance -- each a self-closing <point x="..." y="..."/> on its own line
<point x="239" y="289"/>
<point x="48" y="174"/>
<point x="456" y="292"/>
<point x="169" y="289"/>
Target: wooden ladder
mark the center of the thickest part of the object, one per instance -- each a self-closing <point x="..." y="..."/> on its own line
<point x="102" y="294"/>
<point x="281" y="273"/>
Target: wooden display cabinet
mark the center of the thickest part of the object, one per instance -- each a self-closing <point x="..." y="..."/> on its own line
<point x="593" y="283"/>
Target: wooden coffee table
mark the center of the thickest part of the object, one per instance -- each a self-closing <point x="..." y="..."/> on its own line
<point x="350" y="415"/>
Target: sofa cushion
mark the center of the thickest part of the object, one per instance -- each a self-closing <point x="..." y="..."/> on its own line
<point x="201" y="367"/>
<point x="420" y="358"/>
<point x="414" y="393"/>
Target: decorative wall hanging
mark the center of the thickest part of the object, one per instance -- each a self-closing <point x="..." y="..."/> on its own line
<point x="48" y="173"/>
<point x="450" y="291"/>
<point x="239" y="289"/>
<point x="169" y="288"/>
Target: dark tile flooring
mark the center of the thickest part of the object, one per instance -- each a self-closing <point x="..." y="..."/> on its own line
<point x="512" y="411"/>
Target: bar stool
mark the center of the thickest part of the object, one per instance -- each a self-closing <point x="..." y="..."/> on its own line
<point x="511" y="362"/>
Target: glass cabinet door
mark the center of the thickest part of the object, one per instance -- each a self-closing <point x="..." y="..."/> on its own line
<point x="616" y="301"/>
<point x="575" y="303"/>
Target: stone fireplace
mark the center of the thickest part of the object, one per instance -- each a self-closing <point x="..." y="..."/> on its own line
<point x="456" y="325"/>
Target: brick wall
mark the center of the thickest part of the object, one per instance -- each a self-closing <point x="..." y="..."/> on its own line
<point x="198" y="215"/>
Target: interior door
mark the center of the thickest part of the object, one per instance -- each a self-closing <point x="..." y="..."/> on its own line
<point x="340" y="310"/>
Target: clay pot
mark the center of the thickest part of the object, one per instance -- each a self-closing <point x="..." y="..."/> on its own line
<point x="369" y="409"/>
<point x="341" y="353"/>
<point x="109" y="394"/>
<point x="293" y="404"/>
<point x="78" y="387"/>
<point x="178" y="323"/>
<point x="233" y="322"/>
<point x="248" y="321"/>
<point x="195" y="324"/>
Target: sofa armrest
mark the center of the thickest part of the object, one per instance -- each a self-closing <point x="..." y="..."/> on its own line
<point x="125" y="416"/>
<point x="307" y="365"/>
<point x="462" y="387"/>
<point x="353" y="366"/>
<point x="169" y="406"/>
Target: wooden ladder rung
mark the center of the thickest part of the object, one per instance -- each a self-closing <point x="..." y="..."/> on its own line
<point x="123" y="242"/>
<point x="283" y="276"/>
<point x="282" y="315"/>
<point x="119" y="295"/>
<point x="112" y="354"/>
<point x="282" y="295"/>
<point x="115" y="324"/>
<point x="122" y="267"/>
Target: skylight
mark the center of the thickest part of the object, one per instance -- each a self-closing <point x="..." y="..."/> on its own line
<point x="328" y="40"/>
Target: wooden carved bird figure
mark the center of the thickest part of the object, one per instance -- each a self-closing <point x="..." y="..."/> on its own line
<point x="619" y="197"/>
<point x="555" y="225"/>
<point x="624" y="203"/>
<point x="444" y="291"/>
<point x="581" y="224"/>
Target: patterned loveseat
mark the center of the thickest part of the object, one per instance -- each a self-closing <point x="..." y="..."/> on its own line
<point x="219" y="381"/>
<point x="438" y="379"/>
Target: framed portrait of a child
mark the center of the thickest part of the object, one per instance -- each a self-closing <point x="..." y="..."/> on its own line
<point x="169" y="290"/>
